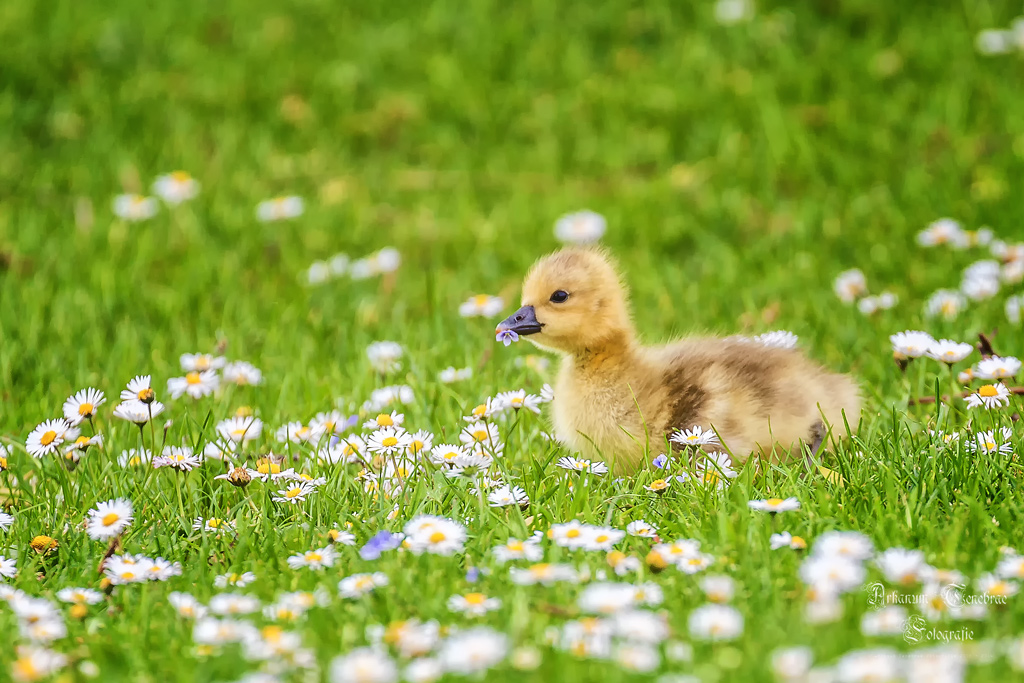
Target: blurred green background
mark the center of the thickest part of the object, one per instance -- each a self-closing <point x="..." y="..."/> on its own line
<point x="740" y="167"/>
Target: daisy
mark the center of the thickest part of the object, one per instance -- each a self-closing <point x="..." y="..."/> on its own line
<point x="547" y="393"/>
<point x="987" y="442"/>
<point x="902" y="566"/>
<point x="109" y="519"/>
<point x="583" y="227"/>
<point x="715" y="622"/>
<point x="134" y="207"/>
<point x="186" y="605"/>
<point x="994" y="587"/>
<point x="849" y="285"/>
<point x="160" y="569"/>
<point x="989" y="396"/>
<point x="602" y="538"/>
<point x="474" y="651"/>
<point x="642" y="529"/>
<point x="46" y="438"/>
<point x="295" y="432"/>
<point x="384" y="356"/>
<point x="718" y="588"/>
<point x="35" y="663"/>
<point x="911" y="344"/>
<point x="481" y="305"/>
<point x="8" y="567"/>
<point x="294" y="494"/>
<point x="388" y="441"/>
<point x="279" y="209"/>
<point x="508" y="495"/>
<point x="435" y="535"/>
<point x="137" y="411"/>
<point x="997" y="367"/>
<point x="945" y="303"/>
<point x="483" y="411"/>
<point x="82" y="406"/>
<point x="240" y="429"/>
<point x="580" y="465"/>
<point x="787" y="540"/>
<point x="482" y="435"/>
<point x="514" y="549"/>
<point x="350" y="448"/>
<point x="420" y="443"/>
<point x="980" y="288"/>
<point x="446" y="454"/>
<point x="314" y="559"/>
<point x="473" y="604"/>
<point x="213" y="524"/>
<point x="231" y="604"/>
<point x="450" y="375"/>
<point x="658" y="486"/>
<point x="1014" y="308"/>
<point x="82" y="444"/>
<point x="949" y="351"/>
<point x="388" y="396"/>
<point x="122" y="572"/>
<point x="942" y="231"/>
<point x="780" y="339"/>
<point x="139" y="390"/>
<point x="331" y="422"/>
<point x="6" y="521"/>
<point x="242" y="374"/>
<point x="518" y="399"/>
<point x="832" y="574"/>
<point x="358" y="585"/>
<point x="201" y="362"/>
<point x="79" y="596"/>
<point x="851" y="545"/>
<point x="239" y="580"/>
<point x="339" y="537"/>
<point x="178" y="457"/>
<point x="196" y="384"/>
<point x="395" y="419"/>
<point x="175" y="188"/>
<point x="774" y="505"/>
<point x="696" y="436"/>
<point x="715" y="470"/>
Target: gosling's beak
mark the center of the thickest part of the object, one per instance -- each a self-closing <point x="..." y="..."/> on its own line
<point x="522" y="322"/>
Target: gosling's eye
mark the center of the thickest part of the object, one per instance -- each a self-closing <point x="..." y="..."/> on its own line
<point x="559" y="297"/>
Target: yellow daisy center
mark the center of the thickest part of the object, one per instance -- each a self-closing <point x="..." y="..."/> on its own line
<point x="146" y="394"/>
<point x="416" y="446"/>
<point x="437" y="537"/>
<point x="294" y="492"/>
<point x="266" y="467"/>
<point x="180" y="177"/>
<point x="82" y="441"/>
<point x="988" y="391"/>
<point x="314" y="557"/>
<point x="601" y="538"/>
<point x="110" y="518"/>
<point x="193" y="378"/>
<point x="480" y="410"/>
<point x="572" y="533"/>
<point x="481" y="299"/>
<point x="515" y="545"/>
<point x="474" y="598"/>
<point x="85" y="409"/>
<point x="214" y="523"/>
<point x="774" y="502"/>
<point x="128" y="576"/>
<point x="385" y="421"/>
<point x="480" y="435"/>
<point x="48" y="438"/>
<point x="389" y="442"/>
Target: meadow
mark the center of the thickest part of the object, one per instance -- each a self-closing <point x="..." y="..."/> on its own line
<point x="277" y="237"/>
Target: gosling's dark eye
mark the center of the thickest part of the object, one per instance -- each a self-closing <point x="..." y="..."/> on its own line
<point x="559" y="297"/>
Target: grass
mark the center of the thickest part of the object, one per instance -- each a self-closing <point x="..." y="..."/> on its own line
<point x="740" y="169"/>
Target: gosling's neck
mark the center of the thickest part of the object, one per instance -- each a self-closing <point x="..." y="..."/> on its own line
<point x="613" y="353"/>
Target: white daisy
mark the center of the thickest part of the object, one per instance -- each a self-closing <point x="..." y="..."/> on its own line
<point x="583" y="227"/>
<point x="715" y="622"/>
<point x="483" y="411"/>
<point x="450" y="375"/>
<point x="384" y="356"/>
<point x="46" y="438"/>
<point x="988" y="442"/>
<point x="196" y="384"/>
<point x="6" y="521"/>
<point x="331" y="423"/>
<point x="133" y="457"/>
<point x="642" y="529"/>
<point x="945" y="303"/>
<point x="482" y="435"/>
<point x="696" y="436"/>
<point x="109" y="519"/>
<point x="358" y="585"/>
<point x="473" y="604"/>
<point x="581" y="465"/>
<point x="134" y="207"/>
<point x="137" y="412"/>
<point x="774" y="505"/>
<point x="176" y="187"/>
<point x="989" y="396"/>
<point x="314" y="559"/>
<point x="780" y="339"/>
<point x="943" y="231"/>
<point x="279" y="209"/>
<point x="440" y="536"/>
<point x="850" y="285"/>
<point x="949" y="351"/>
<point x="295" y="432"/>
<point x="508" y="495"/>
<point x="79" y="596"/>
<point x="295" y="494"/>
<point x="911" y="344"/>
<point x="518" y="399"/>
<point x="997" y="367"/>
<point x="395" y="419"/>
<point x="234" y="579"/>
<point x="82" y="406"/>
<point x="201" y="362"/>
<point x="240" y="429"/>
<point x="178" y="457"/>
<point x="388" y="441"/>
<point x="481" y="305"/>
<point x="212" y="524"/>
<point x="139" y="389"/>
<point x="186" y="605"/>
<point x="242" y="373"/>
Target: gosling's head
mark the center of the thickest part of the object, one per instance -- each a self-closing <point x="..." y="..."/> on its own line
<point x="574" y="302"/>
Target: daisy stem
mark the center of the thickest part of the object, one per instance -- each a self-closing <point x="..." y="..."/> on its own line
<point x="181" y="503"/>
<point x="152" y="429"/>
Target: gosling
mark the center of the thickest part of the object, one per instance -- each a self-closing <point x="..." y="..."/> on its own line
<point x="616" y="399"/>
